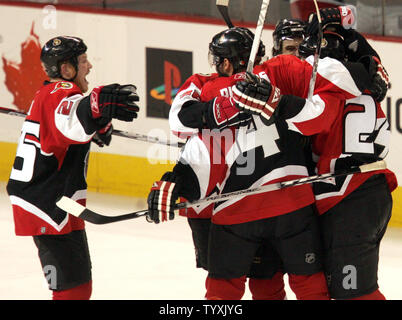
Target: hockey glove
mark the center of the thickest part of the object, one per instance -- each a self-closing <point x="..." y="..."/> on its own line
<point x="342" y="16"/>
<point x="257" y="96"/>
<point x="114" y="101"/>
<point x="379" y="77"/>
<point x="222" y="112"/>
<point x="103" y="136"/>
<point x="162" y="198"/>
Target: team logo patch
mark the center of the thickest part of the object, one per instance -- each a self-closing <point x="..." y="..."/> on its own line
<point x="240" y="76"/>
<point x="62" y="85"/>
<point x="56" y="42"/>
<point x="310" y="258"/>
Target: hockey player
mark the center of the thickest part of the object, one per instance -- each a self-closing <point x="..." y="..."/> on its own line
<point x="344" y="135"/>
<point x="241" y="226"/>
<point x="234" y="45"/>
<point x="356" y="234"/>
<point x="287" y="36"/>
<point x="52" y="159"/>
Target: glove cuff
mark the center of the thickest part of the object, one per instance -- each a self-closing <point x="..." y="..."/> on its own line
<point x="94" y="102"/>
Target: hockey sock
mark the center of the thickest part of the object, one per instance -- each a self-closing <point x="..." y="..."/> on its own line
<point x="268" y="289"/>
<point x="376" y="295"/>
<point x="81" y="292"/>
<point x="309" y="287"/>
<point x="225" y="289"/>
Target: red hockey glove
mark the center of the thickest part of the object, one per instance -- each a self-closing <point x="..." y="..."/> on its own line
<point x="114" y="101"/>
<point x="162" y="198"/>
<point x="222" y="113"/>
<point x="343" y="16"/>
<point x="257" y="96"/>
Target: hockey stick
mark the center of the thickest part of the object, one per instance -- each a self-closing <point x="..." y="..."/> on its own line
<point x="257" y="36"/>
<point x="115" y="132"/>
<point x="86" y="214"/>
<point x="143" y="137"/>
<point x="12" y="112"/>
<point x="223" y="7"/>
<point x="317" y="53"/>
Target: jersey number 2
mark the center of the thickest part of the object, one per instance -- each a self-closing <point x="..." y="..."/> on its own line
<point x="360" y="120"/>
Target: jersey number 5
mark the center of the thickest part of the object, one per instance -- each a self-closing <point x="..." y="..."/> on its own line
<point x="26" y="152"/>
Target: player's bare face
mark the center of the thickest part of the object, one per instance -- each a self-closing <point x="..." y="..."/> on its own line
<point x="291" y="46"/>
<point x="83" y="67"/>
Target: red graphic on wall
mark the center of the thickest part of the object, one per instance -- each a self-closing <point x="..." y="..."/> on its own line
<point x="25" y="78"/>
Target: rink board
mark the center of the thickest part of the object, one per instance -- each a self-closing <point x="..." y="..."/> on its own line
<point x="133" y="176"/>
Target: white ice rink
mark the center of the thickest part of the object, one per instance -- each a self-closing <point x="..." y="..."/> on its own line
<point x="136" y="260"/>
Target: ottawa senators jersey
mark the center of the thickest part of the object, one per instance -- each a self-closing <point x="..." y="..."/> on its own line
<point x="347" y="128"/>
<point x="51" y="161"/>
<point x="242" y="157"/>
<point x="359" y="135"/>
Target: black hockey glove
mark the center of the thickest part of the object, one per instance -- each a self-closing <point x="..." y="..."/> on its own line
<point x="257" y="96"/>
<point x="342" y="16"/>
<point x="379" y="77"/>
<point x="162" y="198"/>
<point x="103" y="136"/>
<point x="114" y="101"/>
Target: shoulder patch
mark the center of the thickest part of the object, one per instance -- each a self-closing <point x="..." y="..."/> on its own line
<point x="62" y="85"/>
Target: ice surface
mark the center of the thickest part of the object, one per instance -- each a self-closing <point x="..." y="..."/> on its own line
<point x="137" y="260"/>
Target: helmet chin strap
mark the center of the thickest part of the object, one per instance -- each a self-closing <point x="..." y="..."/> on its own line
<point x="73" y="78"/>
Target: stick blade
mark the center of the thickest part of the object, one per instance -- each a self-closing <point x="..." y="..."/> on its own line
<point x="70" y="206"/>
<point x="222" y="6"/>
<point x="379" y="165"/>
<point x="79" y="211"/>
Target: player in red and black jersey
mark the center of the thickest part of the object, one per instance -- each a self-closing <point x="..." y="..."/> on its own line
<point x="205" y="150"/>
<point x="52" y="158"/>
<point x="354" y="210"/>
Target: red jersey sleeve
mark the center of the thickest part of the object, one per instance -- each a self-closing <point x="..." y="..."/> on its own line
<point x="190" y="91"/>
<point x="54" y="107"/>
<point x="333" y="86"/>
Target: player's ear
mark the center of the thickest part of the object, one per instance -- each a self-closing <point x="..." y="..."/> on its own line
<point x="67" y="70"/>
<point x="227" y="67"/>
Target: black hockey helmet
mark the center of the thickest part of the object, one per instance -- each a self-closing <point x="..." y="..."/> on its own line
<point x="234" y="44"/>
<point x="287" y="29"/>
<point x="332" y="46"/>
<point x="61" y="49"/>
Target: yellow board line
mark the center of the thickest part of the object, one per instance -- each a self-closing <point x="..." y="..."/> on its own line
<point x="133" y="176"/>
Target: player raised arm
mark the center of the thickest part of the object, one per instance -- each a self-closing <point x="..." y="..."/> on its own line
<point x="77" y="117"/>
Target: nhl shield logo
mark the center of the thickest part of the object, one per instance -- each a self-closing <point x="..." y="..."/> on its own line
<point x="310" y="258"/>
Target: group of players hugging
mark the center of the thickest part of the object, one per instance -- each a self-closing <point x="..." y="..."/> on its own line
<point x="242" y="130"/>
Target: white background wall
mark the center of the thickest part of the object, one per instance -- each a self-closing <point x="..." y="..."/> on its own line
<point x="117" y="51"/>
